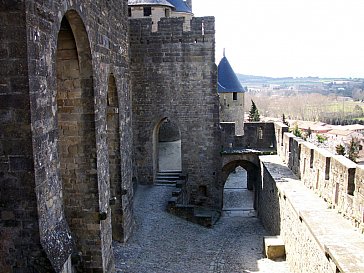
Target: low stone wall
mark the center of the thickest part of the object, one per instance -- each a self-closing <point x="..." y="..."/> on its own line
<point x="317" y="239"/>
<point x="256" y="135"/>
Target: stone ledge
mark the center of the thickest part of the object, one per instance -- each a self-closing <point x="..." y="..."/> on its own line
<point x="340" y="242"/>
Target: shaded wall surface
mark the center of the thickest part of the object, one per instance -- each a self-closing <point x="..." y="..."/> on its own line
<point x="38" y="102"/>
<point x="174" y="76"/>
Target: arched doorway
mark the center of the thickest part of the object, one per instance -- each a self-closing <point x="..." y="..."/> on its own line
<point x="240" y="188"/>
<point x="238" y="200"/>
<point x="167" y="155"/>
<point x="113" y="141"/>
<point x="76" y="138"/>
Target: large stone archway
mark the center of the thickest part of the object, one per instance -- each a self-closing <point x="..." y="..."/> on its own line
<point x="76" y="139"/>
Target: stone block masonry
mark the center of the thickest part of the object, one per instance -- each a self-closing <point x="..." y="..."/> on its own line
<point x="174" y="76"/>
<point x="20" y="247"/>
<point x="316" y="238"/>
<point x="336" y="179"/>
<point x="56" y="61"/>
<point x="257" y="135"/>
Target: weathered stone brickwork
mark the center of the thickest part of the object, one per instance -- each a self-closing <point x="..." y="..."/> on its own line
<point x="20" y="248"/>
<point x="232" y="110"/>
<point x="359" y="197"/>
<point x="332" y="177"/>
<point x="174" y="76"/>
<point x="56" y="166"/>
<point x="257" y="135"/>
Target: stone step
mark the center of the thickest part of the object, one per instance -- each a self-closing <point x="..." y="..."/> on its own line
<point x="169" y="177"/>
<point x="169" y="173"/>
<point x="165" y="182"/>
<point x="274" y="247"/>
<point x="245" y="213"/>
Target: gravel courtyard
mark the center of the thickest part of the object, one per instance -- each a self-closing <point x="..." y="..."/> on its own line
<point x="164" y="243"/>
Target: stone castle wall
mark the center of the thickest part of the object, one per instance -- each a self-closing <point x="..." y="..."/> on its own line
<point x="336" y="179"/>
<point x="281" y="215"/>
<point x="312" y="199"/>
<point x="19" y="230"/>
<point x="174" y="76"/>
<point x="56" y="60"/>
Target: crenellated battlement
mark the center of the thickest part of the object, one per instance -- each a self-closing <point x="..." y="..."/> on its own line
<point x="171" y="30"/>
<point x="336" y="179"/>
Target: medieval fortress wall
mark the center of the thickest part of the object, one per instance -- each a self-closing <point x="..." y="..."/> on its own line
<point x="336" y="179"/>
<point x="64" y="66"/>
<point x="314" y="201"/>
<point x="173" y="76"/>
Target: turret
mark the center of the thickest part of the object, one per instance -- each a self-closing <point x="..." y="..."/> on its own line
<point x="231" y="95"/>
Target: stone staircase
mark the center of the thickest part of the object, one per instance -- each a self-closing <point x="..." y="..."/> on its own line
<point x="168" y="178"/>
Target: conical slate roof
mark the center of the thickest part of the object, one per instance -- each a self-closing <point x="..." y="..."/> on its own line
<point x="149" y="3"/>
<point x="180" y="6"/>
<point x="227" y="80"/>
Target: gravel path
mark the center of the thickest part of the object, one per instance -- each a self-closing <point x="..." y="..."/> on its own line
<point x="163" y="243"/>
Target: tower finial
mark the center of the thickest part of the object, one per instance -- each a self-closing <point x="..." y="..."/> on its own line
<point x="223" y="53"/>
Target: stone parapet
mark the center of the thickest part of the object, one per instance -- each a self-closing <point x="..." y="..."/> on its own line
<point x="334" y="178"/>
<point x="316" y="238"/>
<point x="257" y="135"/>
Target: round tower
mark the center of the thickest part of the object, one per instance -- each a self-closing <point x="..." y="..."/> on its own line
<point x="231" y="95"/>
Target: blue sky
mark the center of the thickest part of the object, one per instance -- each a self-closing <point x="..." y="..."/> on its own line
<point x="289" y="37"/>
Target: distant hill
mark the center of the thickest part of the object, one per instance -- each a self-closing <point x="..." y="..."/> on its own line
<point x="347" y="87"/>
<point x="252" y="79"/>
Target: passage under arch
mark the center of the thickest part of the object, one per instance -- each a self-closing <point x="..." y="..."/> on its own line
<point x="169" y="147"/>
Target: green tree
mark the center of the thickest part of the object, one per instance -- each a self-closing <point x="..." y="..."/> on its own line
<point x="353" y="149"/>
<point x="297" y="131"/>
<point x="254" y="113"/>
<point x="358" y="111"/>
<point x="321" y="139"/>
<point x="340" y="149"/>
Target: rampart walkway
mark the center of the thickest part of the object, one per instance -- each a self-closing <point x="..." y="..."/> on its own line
<point x="163" y="243"/>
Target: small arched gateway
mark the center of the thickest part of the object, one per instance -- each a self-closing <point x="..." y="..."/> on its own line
<point x="167" y="156"/>
<point x="239" y="183"/>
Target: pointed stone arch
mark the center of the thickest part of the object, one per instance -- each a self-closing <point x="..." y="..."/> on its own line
<point x="113" y="141"/>
<point x="77" y="139"/>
